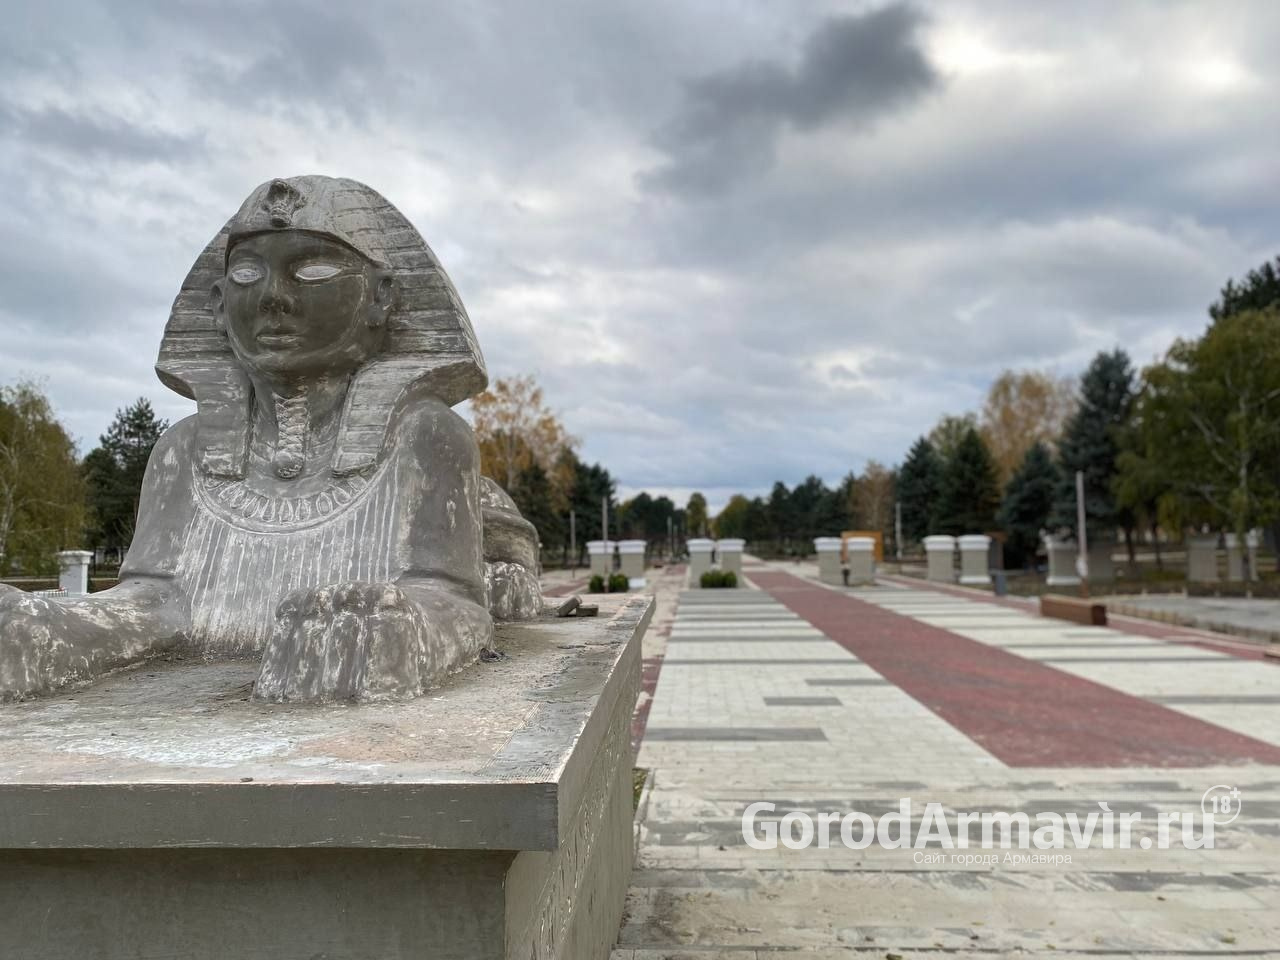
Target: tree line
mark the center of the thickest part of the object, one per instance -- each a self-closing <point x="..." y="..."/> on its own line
<point x="50" y="499"/>
<point x="1191" y="442"/>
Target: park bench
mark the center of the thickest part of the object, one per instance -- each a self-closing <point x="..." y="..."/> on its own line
<point x="1075" y="609"/>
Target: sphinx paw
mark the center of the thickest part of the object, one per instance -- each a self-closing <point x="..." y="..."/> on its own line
<point x="353" y="640"/>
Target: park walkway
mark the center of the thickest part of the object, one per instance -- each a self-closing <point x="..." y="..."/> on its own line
<point x="823" y="699"/>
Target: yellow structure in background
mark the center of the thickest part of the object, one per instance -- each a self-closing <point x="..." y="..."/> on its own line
<point x="875" y="535"/>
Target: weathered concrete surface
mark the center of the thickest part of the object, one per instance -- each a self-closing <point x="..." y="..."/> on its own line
<point x="490" y="817"/>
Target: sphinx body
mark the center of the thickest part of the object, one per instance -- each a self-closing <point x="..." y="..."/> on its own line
<point x="324" y="508"/>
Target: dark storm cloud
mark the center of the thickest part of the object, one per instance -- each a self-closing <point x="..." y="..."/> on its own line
<point x="853" y="69"/>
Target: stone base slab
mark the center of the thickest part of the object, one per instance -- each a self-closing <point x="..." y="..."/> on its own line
<point x="159" y="813"/>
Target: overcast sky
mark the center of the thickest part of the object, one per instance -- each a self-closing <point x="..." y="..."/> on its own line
<point x="736" y="242"/>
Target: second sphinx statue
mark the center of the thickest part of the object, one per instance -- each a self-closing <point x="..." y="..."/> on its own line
<point x="324" y="508"/>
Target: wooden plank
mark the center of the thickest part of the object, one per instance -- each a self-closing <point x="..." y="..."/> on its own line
<point x="1073" y="609"/>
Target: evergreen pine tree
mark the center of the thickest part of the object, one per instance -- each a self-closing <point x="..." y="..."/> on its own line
<point x="1091" y="443"/>
<point x="532" y="494"/>
<point x="1028" y="503"/>
<point x="114" y="472"/>
<point x="919" y="481"/>
<point x="970" y="491"/>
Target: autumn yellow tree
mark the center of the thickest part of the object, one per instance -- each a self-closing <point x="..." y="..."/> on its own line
<point x="1024" y="407"/>
<point x="42" y="493"/>
<point x="872" y="496"/>
<point x="516" y="429"/>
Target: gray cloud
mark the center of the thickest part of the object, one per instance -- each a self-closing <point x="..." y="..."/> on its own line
<point x="917" y="199"/>
<point x="852" y="68"/>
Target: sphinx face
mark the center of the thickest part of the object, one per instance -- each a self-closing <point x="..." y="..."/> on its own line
<point x="302" y="306"/>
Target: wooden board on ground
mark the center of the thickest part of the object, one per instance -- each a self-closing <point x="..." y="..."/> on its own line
<point x="1075" y="609"/>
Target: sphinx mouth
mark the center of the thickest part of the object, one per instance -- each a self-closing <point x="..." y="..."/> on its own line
<point x="277" y="339"/>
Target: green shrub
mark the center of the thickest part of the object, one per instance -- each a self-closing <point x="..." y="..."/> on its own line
<point x="618" y="583"/>
<point x="715" y="579"/>
<point x="595" y="584"/>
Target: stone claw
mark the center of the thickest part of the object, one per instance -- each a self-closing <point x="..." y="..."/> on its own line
<point x="348" y="640"/>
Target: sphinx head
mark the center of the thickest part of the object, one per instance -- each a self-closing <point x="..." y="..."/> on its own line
<point x="299" y="301"/>
<point x="316" y="277"/>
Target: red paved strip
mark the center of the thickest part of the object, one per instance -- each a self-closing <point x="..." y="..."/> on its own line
<point x="1027" y="714"/>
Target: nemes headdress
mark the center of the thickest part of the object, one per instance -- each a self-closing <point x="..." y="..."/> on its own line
<point x="429" y="346"/>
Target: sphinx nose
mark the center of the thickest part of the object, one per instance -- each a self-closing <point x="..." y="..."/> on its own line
<point x="277" y="301"/>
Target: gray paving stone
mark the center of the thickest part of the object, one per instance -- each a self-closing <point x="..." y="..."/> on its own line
<point x="732" y="734"/>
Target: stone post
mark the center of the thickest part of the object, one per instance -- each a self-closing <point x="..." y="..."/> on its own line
<point x="974" y="555"/>
<point x="1202" y="558"/>
<point x="941" y="551"/>
<point x="1235" y="557"/>
<point x="1062" y="562"/>
<point x="1102" y="569"/>
<point x="73" y="576"/>
<point x="828" y="550"/>
<point x="1252" y="540"/>
<point x="730" y="552"/>
<point x="699" y="560"/>
<point x="861" y="552"/>
<point x="601" y="555"/>
<point x="631" y="555"/>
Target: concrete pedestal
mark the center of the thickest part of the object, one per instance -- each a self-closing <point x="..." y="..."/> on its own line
<point x="1202" y="558"/>
<point x="600" y="553"/>
<point x="73" y="571"/>
<point x="828" y="550"/>
<point x="700" y="550"/>
<point x="631" y="558"/>
<point x="1253" y="540"/>
<point x="1062" y="563"/>
<point x="174" y="818"/>
<point x="730" y="552"/>
<point x="941" y="553"/>
<point x="974" y="555"/>
<point x="1102" y="568"/>
<point x="861" y="555"/>
<point x="1235" y="557"/>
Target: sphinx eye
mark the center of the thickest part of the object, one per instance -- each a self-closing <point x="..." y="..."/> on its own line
<point x="245" y="274"/>
<point x="317" y="271"/>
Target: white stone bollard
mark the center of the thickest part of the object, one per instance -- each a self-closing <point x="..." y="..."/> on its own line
<point x="730" y="553"/>
<point x="631" y="557"/>
<point x="1062" y="563"/>
<point x="73" y="576"/>
<point x="1202" y="558"/>
<point x="940" y="550"/>
<point x="1235" y="557"/>
<point x="600" y="553"/>
<point x="828" y="550"/>
<point x="975" y="557"/>
<point x="1253" y="540"/>
<point x="861" y="553"/>
<point x="700" y="550"/>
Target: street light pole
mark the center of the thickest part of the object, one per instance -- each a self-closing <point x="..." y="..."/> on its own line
<point x="1082" y="537"/>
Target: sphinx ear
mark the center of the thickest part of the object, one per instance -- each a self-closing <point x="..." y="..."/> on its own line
<point x="219" y="307"/>
<point x="384" y="297"/>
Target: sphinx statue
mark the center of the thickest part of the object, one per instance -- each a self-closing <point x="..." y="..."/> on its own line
<point x="323" y="510"/>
